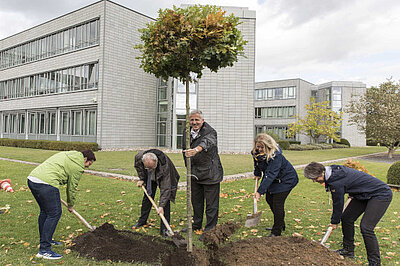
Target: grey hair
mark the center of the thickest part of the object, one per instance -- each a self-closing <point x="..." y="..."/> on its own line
<point x="194" y="112"/>
<point x="149" y="156"/>
<point x="314" y="170"/>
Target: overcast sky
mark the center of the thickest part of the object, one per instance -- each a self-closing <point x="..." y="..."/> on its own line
<point x="316" y="40"/>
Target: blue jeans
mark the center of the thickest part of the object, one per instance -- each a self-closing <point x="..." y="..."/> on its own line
<point x="48" y="198"/>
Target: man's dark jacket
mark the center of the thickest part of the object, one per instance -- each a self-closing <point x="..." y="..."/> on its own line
<point x="206" y="165"/>
<point x="278" y="173"/>
<point x="357" y="184"/>
<point x="167" y="176"/>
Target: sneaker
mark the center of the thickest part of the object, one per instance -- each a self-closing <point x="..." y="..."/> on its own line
<point x="138" y="225"/>
<point x="346" y="253"/>
<point x="48" y="255"/>
<point x="55" y="243"/>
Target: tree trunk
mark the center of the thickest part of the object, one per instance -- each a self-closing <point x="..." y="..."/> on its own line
<point x="390" y="152"/>
<point x="189" y="174"/>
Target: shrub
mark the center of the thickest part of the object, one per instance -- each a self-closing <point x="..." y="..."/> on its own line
<point x="50" y="144"/>
<point x="294" y="142"/>
<point x="372" y="142"/>
<point x="393" y="174"/>
<point x="284" y="144"/>
<point x="339" y="146"/>
<point x="273" y="135"/>
<point x="356" y="165"/>
<point x="304" y="147"/>
<point x="324" y="146"/>
<point x="345" y="142"/>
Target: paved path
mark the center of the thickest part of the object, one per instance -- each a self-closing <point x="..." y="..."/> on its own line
<point x="182" y="185"/>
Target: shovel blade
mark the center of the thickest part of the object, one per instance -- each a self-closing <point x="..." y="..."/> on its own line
<point x="178" y="240"/>
<point x="253" y="220"/>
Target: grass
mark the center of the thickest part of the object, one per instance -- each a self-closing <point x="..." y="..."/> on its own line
<point x="118" y="202"/>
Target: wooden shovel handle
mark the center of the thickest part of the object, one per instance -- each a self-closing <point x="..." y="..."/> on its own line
<point x="254" y="200"/>
<point x="161" y="215"/>
<point x="330" y="229"/>
<point x="79" y="216"/>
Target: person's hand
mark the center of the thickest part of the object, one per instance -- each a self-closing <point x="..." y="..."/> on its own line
<point x="190" y="152"/>
<point x="140" y="183"/>
<point x="160" y="210"/>
<point x="256" y="177"/>
<point x="257" y="196"/>
<point x="71" y="209"/>
<point x="334" y="226"/>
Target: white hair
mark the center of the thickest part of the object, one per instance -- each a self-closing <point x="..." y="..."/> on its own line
<point x="149" y="156"/>
<point x="194" y="112"/>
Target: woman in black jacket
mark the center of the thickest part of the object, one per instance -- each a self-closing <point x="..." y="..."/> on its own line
<point x="278" y="178"/>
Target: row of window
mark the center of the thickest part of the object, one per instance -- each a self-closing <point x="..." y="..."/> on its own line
<point x="69" y="79"/>
<point x="64" y="41"/>
<point x="275" y="112"/>
<point x="275" y="93"/>
<point x="77" y="122"/>
<point x="279" y="130"/>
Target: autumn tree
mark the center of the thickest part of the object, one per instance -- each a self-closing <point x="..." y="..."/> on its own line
<point x="181" y="43"/>
<point x="319" y="121"/>
<point x="377" y="113"/>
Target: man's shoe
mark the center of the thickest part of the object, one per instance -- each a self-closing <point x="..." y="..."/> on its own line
<point x="374" y="263"/>
<point x="271" y="235"/>
<point x="138" y="225"/>
<point x="55" y="243"/>
<point x="268" y="228"/>
<point x="201" y="238"/>
<point x="184" y="230"/>
<point x="48" y="255"/>
<point x="164" y="233"/>
<point x="346" y="253"/>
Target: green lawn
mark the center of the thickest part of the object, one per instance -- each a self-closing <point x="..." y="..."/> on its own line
<point x="122" y="161"/>
<point x="107" y="200"/>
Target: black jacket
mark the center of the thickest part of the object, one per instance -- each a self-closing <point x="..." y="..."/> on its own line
<point x="278" y="174"/>
<point x="357" y="184"/>
<point x="206" y="165"/>
<point x="167" y="176"/>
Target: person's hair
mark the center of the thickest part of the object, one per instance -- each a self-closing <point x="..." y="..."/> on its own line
<point x="194" y="112"/>
<point x="270" y="145"/>
<point x="314" y="170"/>
<point x="149" y="156"/>
<point x="89" y="155"/>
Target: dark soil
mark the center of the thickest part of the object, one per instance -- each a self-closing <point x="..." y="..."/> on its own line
<point x="107" y="243"/>
<point x="382" y="158"/>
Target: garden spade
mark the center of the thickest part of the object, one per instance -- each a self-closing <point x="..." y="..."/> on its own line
<point x="253" y="219"/>
<point x="330" y="229"/>
<point x="91" y="228"/>
<point x="178" y="240"/>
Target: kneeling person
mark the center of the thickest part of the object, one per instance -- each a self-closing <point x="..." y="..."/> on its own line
<point x="155" y="169"/>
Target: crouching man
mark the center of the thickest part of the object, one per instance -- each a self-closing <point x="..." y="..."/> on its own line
<point x="155" y="169"/>
<point x="369" y="195"/>
<point x="44" y="181"/>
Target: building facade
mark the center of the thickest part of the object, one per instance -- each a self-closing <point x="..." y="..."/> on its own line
<point x="76" y="78"/>
<point x="279" y="102"/>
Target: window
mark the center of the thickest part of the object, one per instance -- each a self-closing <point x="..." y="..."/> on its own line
<point x="275" y="93"/>
<point x="91" y="122"/>
<point x="51" y="123"/>
<point x="21" y="123"/>
<point x="32" y="123"/>
<point x="42" y="124"/>
<point x="5" y="123"/>
<point x="77" y="123"/>
<point x="64" y="123"/>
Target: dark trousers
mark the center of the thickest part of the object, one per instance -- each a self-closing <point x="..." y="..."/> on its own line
<point x="277" y="204"/>
<point x="146" y="207"/>
<point x="373" y="210"/>
<point x="48" y="198"/>
<point x="209" y="193"/>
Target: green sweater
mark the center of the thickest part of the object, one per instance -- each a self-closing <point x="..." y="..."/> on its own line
<point x="62" y="168"/>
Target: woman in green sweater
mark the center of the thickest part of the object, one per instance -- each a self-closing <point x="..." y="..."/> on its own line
<point x="44" y="181"/>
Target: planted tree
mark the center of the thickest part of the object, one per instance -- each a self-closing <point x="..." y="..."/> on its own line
<point x="319" y="121"/>
<point x="180" y="44"/>
<point x="377" y="113"/>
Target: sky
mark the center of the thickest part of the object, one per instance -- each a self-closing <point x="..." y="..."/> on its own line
<point x="315" y="40"/>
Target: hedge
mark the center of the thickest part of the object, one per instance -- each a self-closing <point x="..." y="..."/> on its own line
<point x="294" y="142"/>
<point x="393" y="174"/>
<point x="50" y="144"/>
<point x="321" y="146"/>
<point x="345" y="142"/>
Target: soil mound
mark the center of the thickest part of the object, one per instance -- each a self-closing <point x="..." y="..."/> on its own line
<point x="107" y="243"/>
<point x="277" y="251"/>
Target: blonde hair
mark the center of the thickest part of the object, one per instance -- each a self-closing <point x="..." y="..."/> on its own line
<point x="270" y="145"/>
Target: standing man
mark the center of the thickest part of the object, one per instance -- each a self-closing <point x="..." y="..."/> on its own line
<point x="44" y="181"/>
<point x="207" y="172"/>
<point x="369" y="195"/>
<point x="154" y="169"/>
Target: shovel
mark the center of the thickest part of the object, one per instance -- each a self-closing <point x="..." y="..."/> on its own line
<point x="91" y="228"/>
<point x="330" y="229"/>
<point x="178" y="240"/>
<point x="253" y="219"/>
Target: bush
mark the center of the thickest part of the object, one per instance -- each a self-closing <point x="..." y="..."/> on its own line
<point x="303" y="147"/>
<point x="324" y="146"/>
<point x="273" y="135"/>
<point x="345" y="142"/>
<point x="294" y="142"/>
<point x="339" y="146"/>
<point x="372" y="142"/>
<point x="393" y="174"/>
<point x="284" y="144"/>
<point x="50" y="144"/>
<point x="356" y="165"/>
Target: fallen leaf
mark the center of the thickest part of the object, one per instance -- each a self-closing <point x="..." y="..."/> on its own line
<point x="67" y="251"/>
<point x="88" y="190"/>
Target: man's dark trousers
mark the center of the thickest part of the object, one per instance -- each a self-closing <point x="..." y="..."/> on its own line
<point x="209" y="193"/>
<point x="373" y="210"/>
<point x="146" y="208"/>
<point x="48" y="198"/>
<point x="277" y="204"/>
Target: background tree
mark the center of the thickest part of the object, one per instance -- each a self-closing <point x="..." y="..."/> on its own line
<point x="377" y="113"/>
<point x="319" y="121"/>
<point x="184" y="41"/>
